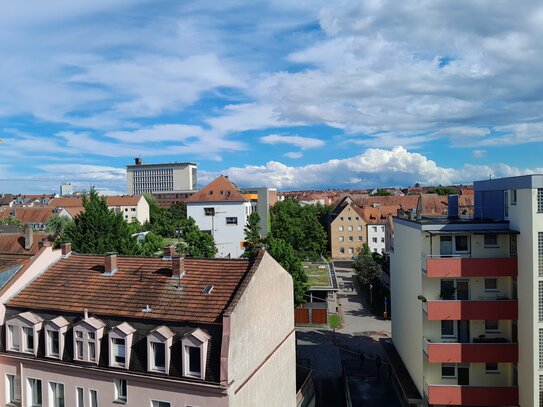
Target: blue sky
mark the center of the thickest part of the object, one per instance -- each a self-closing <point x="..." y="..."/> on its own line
<point x="306" y="94"/>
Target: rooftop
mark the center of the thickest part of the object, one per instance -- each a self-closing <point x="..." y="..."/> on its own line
<point x="78" y="282"/>
<point x="221" y="189"/>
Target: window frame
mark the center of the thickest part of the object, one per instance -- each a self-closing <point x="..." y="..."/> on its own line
<point x="490" y="244"/>
<point x="231" y="220"/>
<point x="51" y="394"/>
<point x="492" y="371"/>
<point x="160" y="335"/>
<point x="209" y="211"/>
<point x="79" y="396"/>
<point x="160" y="403"/>
<point x="87" y="335"/>
<point x="491" y="289"/>
<point x="30" y="392"/>
<point x="13" y="389"/>
<point x="492" y="330"/>
<point x="454" y="333"/>
<point x="449" y="366"/>
<point x="195" y="339"/>
<point x="93" y="401"/>
<point x="118" y="389"/>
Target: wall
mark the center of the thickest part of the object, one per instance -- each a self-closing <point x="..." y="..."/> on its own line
<point x="377" y="232"/>
<point x="358" y="234"/>
<point x="262" y="352"/>
<point x="405" y="285"/>
<point x="227" y="237"/>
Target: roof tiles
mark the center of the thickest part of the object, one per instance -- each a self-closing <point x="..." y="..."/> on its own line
<point x="219" y="190"/>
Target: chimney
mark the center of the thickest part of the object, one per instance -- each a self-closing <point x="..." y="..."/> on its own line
<point x="178" y="267"/>
<point x="86" y="314"/>
<point x="110" y="264"/>
<point x="66" y="249"/>
<point x="452" y="211"/>
<point x="29" y="236"/>
<point x="169" y="252"/>
<point x="45" y="243"/>
<point x="137" y="160"/>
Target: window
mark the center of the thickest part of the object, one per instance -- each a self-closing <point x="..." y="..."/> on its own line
<point x="447" y="329"/>
<point x="195" y="368"/>
<point x="461" y="243"/>
<point x="13" y="337"/>
<point x="540" y="290"/>
<point x="350" y="228"/>
<point x="342" y="250"/>
<point x="492" y="326"/>
<point x="539" y="252"/>
<point x="53" y="349"/>
<point x="120" y="391"/>
<point x="357" y="218"/>
<point x="491" y="240"/>
<point x="56" y="394"/>
<point x="155" y="403"/>
<point x="374" y="228"/>
<point x="158" y="357"/>
<point x="491" y="284"/>
<point x="359" y="228"/>
<point x="349" y="218"/>
<point x="232" y="221"/>
<point x="28" y="338"/>
<point x="13" y="393"/>
<point x="340" y="228"/>
<point x="382" y="240"/>
<point x="118" y="351"/>
<point x="448" y="370"/>
<point x="92" y="351"/>
<point x="79" y="397"/>
<point x="341" y="238"/>
<point x="350" y="238"/>
<point x="194" y="353"/>
<point x="34" y="393"/>
<point x="374" y="239"/>
<point x="540" y="349"/>
<point x="359" y="238"/>
<point x="93" y="398"/>
<point x="351" y="250"/>
<point x="513" y="197"/>
<point x="491" y="368"/>
<point x="209" y="211"/>
<point x="78" y="345"/>
<point x="539" y="200"/>
<point x="341" y="218"/>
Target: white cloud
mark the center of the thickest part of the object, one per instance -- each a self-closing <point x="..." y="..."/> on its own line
<point x="478" y="153"/>
<point x="293" y="154"/>
<point x="303" y="143"/>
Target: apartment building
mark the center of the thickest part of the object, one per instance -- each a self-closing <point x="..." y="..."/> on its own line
<point x="155" y="332"/>
<point x="263" y="198"/>
<point x="467" y="299"/>
<point x="222" y="210"/>
<point x="161" y="178"/>
<point x="346" y="229"/>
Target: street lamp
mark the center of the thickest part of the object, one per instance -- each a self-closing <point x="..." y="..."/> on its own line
<point x="371" y="293"/>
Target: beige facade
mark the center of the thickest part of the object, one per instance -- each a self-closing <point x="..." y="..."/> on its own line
<point x="346" y="230"/>
<point x="163" y="178"/>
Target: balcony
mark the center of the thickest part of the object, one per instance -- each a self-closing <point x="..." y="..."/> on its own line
<point x="471" y="310"/>
<point x="483" y="352"/>
<point x="472" y="395"/>
<point x="458" y="267"/>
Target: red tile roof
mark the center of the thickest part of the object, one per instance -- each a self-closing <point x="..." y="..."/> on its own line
<point x="77" y="282"/>
<point x="9" y="261"/>
<point x="14" y="243"/>
<point x="218" y="190"/>
<point x="29" y="215"/>
<point x="114" y="200"/>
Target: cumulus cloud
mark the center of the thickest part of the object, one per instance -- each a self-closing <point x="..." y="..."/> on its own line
<point x="303" y="143"/>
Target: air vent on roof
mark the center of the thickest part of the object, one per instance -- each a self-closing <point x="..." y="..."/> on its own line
<point x="147" y="308"/>
<point x="207" y="289"/>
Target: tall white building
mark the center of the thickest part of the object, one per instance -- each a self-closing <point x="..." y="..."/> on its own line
<point x="222" y="210"/>
<point x="467" y="299"/>
<point x="167" y="177"/>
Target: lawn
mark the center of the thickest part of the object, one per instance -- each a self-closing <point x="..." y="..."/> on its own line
<point x="317" y="274"/>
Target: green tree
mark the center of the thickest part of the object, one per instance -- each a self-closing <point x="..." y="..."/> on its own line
<point x="443" y="191"/>
<point x="11" y="221"/>
<point x="161" y="221"/>
<point x="300" y="227"/>
<point x="194" y="242"/>
<point x="365" y="266"/>
<point x="382" y="192"/>
<point x="285" y="255"/>
<point x="57" y="226"/>
<point x="151" y="245"/>
<point x="323" y="213"/>
<point x="99" y="230"/>
<point x="252" y="234"/>
<point x="178" y="211"/>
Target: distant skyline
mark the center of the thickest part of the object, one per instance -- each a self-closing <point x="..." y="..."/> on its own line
<point x="293" y="95"/>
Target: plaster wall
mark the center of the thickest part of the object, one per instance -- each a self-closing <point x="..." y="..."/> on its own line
<point x="347" y="233"/>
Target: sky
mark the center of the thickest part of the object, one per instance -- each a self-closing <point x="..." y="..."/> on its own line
<point x="287" y="94"/>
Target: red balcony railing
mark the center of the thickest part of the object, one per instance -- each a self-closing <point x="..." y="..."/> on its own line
<point x="472" y="395"/>
<point x="440" y="352"/>
<point x="471" y="310"/>
<point x="456" y="267"/>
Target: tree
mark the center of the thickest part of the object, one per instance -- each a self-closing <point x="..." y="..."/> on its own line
<point x="323" y="213"/>
<point x="161" y="221"/>
<point x="300" y="227"/>
<point x="151" y="245"/>
<point x="382" y="192"/>
<point x="443" y="191"/>
<point x="366" y="268"/>
<point x="194" y="242"/>
<point x="178" y="211"/>
<point x="99" y="230"/>
<point x="11" y="221"/>
<point x="57" y="226"/>
<point x="285" y="255"/>
<point x="252" y="234"/>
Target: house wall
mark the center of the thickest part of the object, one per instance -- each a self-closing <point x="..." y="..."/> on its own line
<point x="140" y="390"/>
<point x="376" y="237"/>
<point x="358" y="234"/>
<point x="228" y="238"/>
<point x="262" y="350"/>
<point x="405" y="286"/>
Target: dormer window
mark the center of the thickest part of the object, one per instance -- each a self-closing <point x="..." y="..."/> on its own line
<point x="22" y="333"/>
<point x="87" y="335"/>
<point x="194" y="353"/>
<point x="159" y="342"/>
<point x="120" y="343"/>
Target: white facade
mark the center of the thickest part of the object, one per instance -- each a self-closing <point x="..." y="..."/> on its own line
<point x="225" y="221"/>
<point x="376" y="237"/>
<point x="161" y="177"/>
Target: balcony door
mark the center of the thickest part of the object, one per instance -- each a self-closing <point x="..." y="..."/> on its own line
<point x="445" y="246"/>
<point x="463" y="375"/>
<point x="463" y="331"/>
<point x="462" y="290"/>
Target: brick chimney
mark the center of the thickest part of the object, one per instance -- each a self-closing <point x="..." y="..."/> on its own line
<point x="29" y="236"/>
<point x="66" y="249"/>
<point x="169" y="252"/>
<point x="110" y="264"/>
<point x="178" y="267"/>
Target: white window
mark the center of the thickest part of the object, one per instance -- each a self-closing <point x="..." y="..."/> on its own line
<point x="491" y="368"/>
<point x="350" y="228"/>
<point x="342" y="250"/>
<point x="120" y="342"/>
<point x="491" y="284"/>
<point x="513" y="197"/>
<point x="93" y="398"/>
<point x="53" y="343"/>
<point x="492" y="326"/>
<point x="79" y="397"/>
<point x="120" y="391"/>
<point x="56" y="394"/>
<point x="448" y="370"/>
<point x="158" y="356"/>
<point x="92" y="351"/>
<point x="159" y="342"/>
<point x="34" y="393"/>
<point x="341" y="238"/>
<point x="22" y="330"/>
<point x="351" y="250"/>
<point x="341" y="228"/>
<point x="359" y="228"/>
<point x="87" y="335"/>
<point x="14" y="342"/>
<point x="155" y="403"/>
<point x="491" y="240"/>
<point x="350" y="238"/>
<point x="78" y="345"/>
<point x="232" y="220"/>
<point x="28" y="339"/>
<point x="209" y="211"/>
<point x="13" y="391"/>
<point x="118" y="352"/>
<point x="194" y="353"/>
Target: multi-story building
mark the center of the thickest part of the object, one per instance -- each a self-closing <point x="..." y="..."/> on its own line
<point x="222" y="210"/>
<point x="346" y="229"/>
<point x="142" y="331"/>
<point x="66" y="189"/>
<point x="161" y="178"/>
<point x="467" y="295"/>
<point x="263" y="198"/>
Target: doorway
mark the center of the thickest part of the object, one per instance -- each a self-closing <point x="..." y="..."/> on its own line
<point x="463" y="375"/>
<point x="463" y="332"/>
